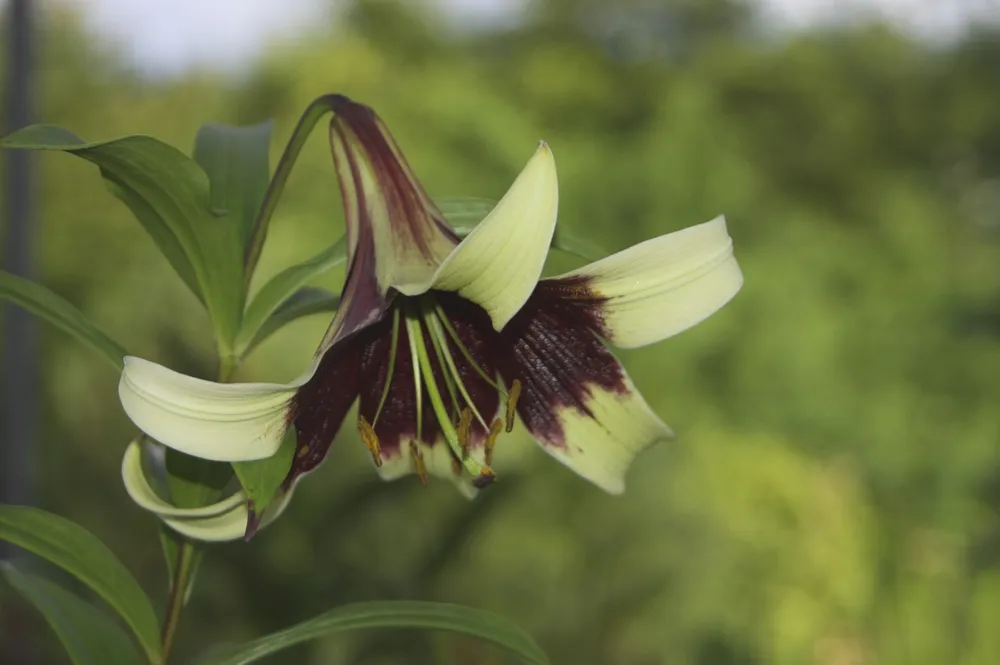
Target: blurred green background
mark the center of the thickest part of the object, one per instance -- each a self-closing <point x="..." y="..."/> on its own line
<point x="832" y="497"/>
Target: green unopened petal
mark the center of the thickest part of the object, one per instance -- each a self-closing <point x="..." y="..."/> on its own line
<point x="230" y="525"/>
<point x="499" y="263"/>
<point x="601" y="445"/>
<point x="216" y="421"/>
<point x="138" y="488"/>
<point x="664" y="286"/>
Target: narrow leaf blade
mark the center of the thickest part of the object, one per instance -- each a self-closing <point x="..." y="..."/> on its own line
<point x="392" y="614"/>
<point x="169" y="194"/>
<point x="304" y="302"/>
<point x="81" y="554"/>
<point x="236" y="162"/>
<point x="281" y="287"/>
<point x="58" y="311"/>
<point x="89" y="635"/>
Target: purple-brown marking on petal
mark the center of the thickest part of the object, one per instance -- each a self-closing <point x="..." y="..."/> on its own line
<point x="318" y="408"/>
<point x="552" y="347"/>
<point x="475" y="330"/>
<point x="411" y="211"/>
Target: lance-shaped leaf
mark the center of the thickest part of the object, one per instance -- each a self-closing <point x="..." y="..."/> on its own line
<point x="169" y="194"/>
<point x="391" y="614"/>
<point x="304" y="302"/>
<point x="82" y="555"/>
<point x="61" y="313"/>
<point x="236" y="161"/>
<point x="89" y="635"/>
<point x="262" y="478"/>
<point x="282" y="286"/>
<point x="465" y="213"/>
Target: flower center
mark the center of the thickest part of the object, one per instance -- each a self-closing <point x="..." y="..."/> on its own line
<point x="439" y="359"/>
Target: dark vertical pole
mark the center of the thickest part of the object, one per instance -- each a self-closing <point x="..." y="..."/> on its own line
<point x="18" y="332"/>
<point x="18" y="342"/>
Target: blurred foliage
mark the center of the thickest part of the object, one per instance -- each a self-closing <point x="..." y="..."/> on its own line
<point x="833" y="496"/>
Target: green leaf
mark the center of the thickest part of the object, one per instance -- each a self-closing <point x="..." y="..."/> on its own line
<point x="59" y="312"/>
<point x="169" y="194"/>
<point x="565" y="241"/>
<point x="391" y="614"/>
<point x="81" y="554"/>
<point x="236" y="161"/>
<point x="282" y="286"/>
<point x="88" y="634"/>
<point x="304" y="302"/>
<point x="465" y="213"/>
<point x="262" y="478"/>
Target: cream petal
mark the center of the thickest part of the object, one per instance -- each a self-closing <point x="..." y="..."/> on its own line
<point x="663" y="286"/>
<point x="601" y="443"/>
<point x="138" y="488"/>
<point x="498" y="264"/>
<point x="217" y="421"/>
<point x="230" y="525"/>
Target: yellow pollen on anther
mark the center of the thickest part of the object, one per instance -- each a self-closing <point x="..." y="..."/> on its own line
<point x="515" y="392"/>
<point x="418" y="462"/>
<point x="491" y="441"/>
<point x="464" y="427"/>
<point x="370" y="440"/>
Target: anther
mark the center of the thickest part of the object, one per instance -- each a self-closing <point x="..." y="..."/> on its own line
<point x="302" y="451"/>
<point x="370" y="440"/>
<point x="418" y="462"/>
<point x="464" y="426"/>
<point x="484" y="479"/>
<point x="456" y="466"/>
<point x="515" y="392"/>
<point x="491" y="440"/>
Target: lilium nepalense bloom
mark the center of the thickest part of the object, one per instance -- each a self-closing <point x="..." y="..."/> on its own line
<point x="444" y="341"/>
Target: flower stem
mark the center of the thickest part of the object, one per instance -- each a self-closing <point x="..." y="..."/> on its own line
<point x="178" y="590"/>
<point x="187" y="558"/>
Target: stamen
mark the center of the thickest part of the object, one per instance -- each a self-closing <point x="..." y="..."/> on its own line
<point x="443" y="318"/>
<point x="464" y="427"/>
<point x="392" y="365"/>
<point x="441" y="348"/>
<point x="370" y="440"/>
<point x="456" y="466"/>
<point x="445" y="361"/>
<point x="491" y="441"/>
<point x="418" y="462"/>
<point x="515" y="392"/>
<point x="413" y="329"/>
<point x="415" y="348"/>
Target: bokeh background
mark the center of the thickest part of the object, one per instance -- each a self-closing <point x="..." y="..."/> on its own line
<point x="832" y="497"/>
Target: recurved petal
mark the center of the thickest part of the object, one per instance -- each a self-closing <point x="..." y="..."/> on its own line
<point x="230" y="525"/>
<point x="498" y="264"/>
<point x="576" y="399"/>
<point x="660" y="287"/>
<point x="218" y="421"/>
<point x="138" y="488"/>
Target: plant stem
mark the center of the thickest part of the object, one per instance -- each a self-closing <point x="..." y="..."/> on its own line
<point x="187" y="557"/>
<point x="178" y="590"/>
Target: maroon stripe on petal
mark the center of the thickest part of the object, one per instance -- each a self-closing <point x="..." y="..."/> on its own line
<point x="411" y="211"/>
<point x="320" y="405"/>
<point x="475" y="330"/>
<point x="551" y="347"/>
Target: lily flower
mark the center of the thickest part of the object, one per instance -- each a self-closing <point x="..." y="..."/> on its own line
<point x="444" y="341"/>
